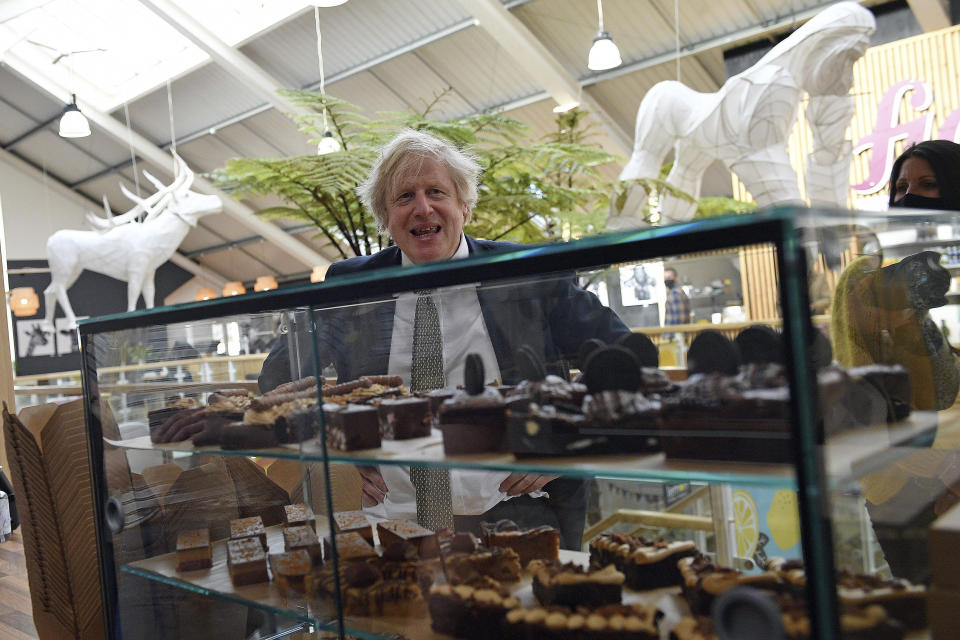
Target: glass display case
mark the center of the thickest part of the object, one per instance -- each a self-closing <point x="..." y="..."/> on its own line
<point x="443" y="450"/>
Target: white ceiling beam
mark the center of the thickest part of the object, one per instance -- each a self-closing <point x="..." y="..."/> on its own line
<point x="64" y="191"/>
<point x="931" y="14"/>
<point x="541" y="65"/>
<point x="152" y="153"/>
<point x="229" y="58"/>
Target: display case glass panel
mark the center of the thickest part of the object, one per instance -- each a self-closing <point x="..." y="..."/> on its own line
<point x="772" y="441"/>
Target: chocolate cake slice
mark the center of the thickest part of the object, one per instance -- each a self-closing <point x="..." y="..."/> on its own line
<point x="404" y="418"/>
<point x="351" y="427"/>
<point x="465" y="612"/>
<point x="540" y="543"/>
<point x="647" y="564"/>
<point x="702" y="581"/>
<point x="425" y="540"/>
<point x="609" y="622"/>
<point x="571" y="585"/>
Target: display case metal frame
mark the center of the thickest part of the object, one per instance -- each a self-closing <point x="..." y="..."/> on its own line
<point x="782" y="228"/>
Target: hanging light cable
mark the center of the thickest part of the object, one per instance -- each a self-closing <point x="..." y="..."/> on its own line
<point x="604" y="53"/>
<point x="328" y="143"/>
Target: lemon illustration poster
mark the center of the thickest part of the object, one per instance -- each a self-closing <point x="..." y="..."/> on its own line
<point x="767" y="522"/>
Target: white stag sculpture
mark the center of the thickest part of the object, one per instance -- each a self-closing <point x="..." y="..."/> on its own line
<point x="127" y="247"/>
<point x="747" y="122"/>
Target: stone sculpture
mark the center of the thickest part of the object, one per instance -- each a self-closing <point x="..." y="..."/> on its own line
<point x="127" y="247"/>
<point x="747" y="122"/>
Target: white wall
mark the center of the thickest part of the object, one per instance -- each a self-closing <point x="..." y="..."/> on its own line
<point x="34" y="209"/>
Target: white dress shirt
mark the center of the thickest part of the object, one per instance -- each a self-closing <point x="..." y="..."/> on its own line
<point x="464" y="332"/>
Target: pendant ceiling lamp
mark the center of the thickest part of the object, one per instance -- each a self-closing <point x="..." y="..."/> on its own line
<point x="318" y="273"/>
<point x="205" y="293"/>
<point x="328" y="143"/>
<point x="604" y="53"/>
<point x="234" y="289"/>
<point x="73" y="124"/>
<point x="265" y="283"/>
<point x="24" y="302"/>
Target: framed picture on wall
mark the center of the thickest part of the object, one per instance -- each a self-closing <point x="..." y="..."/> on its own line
<point x="641" y="284"/>
<point x="66" y="338"/>
<point x="33" y="341"/>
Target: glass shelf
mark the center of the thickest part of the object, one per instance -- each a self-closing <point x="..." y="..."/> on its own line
<point x="428" y="452"/>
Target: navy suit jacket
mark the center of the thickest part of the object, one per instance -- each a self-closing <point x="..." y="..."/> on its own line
<point x="554" y="317"/>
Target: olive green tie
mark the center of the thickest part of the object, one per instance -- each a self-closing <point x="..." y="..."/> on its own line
<point x="434" y="504"/>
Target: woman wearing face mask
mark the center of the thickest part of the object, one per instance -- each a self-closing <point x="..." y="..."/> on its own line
<point x="881" y="316"/>
<point x="927" y="176"/>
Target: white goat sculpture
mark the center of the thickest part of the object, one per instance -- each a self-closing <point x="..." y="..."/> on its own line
<point x="124" y="247"/>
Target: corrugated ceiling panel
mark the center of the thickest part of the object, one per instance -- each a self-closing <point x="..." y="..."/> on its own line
<point x="281" y="133"/>
<point x="27" y="98"/>
<point x="369" y="93"/>
<point x="414" y="82"/>
<point x="290" y="51"/>
<point x="69" y="162"/>
<point x="204" y="97"/>
<point x="14" y="123"/>
<point x="486" y="79"/>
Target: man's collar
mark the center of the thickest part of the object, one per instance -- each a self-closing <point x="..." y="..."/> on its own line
<point x="462" y="251"/>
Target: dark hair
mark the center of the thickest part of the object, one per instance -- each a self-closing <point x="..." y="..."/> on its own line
<point x="675" y="274"/>
<point x="944" y="159"/>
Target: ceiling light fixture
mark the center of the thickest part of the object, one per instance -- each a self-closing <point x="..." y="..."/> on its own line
<point x="205" y="293"/>
<point x="328" y="143"/>
<point x="265" y="283"/>
<point x="73" y="124"/>
<point x="235" y="288"/>
<point x="24" y="301"/>
<point x="604" y="53"/>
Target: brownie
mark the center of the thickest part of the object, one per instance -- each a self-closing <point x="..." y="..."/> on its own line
<point x="698" y="628"/>
<point x="714" y="417"/>
<point x="290" y="570"/>
<point x="356" y="521"/>
<point x="364" y="591"/>
<point x="568" y="584"/>
<point x="473" y="423"/>
<point x="351" y="546"/>
<point x="437" y="397"/>
<point x="425" y="540"/>
<point x="904" y="601"/>
<point x="351" y="427"/>
<point x="193" y="550"/>
<point x="856" y="623"/>
<point x="404" y="418"/>
<point x="702" y="581"/>
<point x="246" y="561"/>
<point x="251" y="527"/>
<point x="298" y="424"/>
<point x="305" y="538"/>
<point x="499" y="563"/>
<point x="552" y="390"/>
<point x="465" y="612"/>
<point x="609" y="622"/>
<point x="540" y="543"/>
<point x="238" y="435"/>
<point x="298" y="515"/>
<point x="647" y="564"/>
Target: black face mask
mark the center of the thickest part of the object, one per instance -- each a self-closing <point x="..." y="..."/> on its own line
<point x="669" y="283"/>
<point x="911" y="201"/>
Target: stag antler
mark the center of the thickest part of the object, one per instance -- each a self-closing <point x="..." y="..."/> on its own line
<point x="152" y="205"/>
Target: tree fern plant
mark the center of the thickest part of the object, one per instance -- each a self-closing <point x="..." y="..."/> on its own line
<point x="530" y="190"/>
